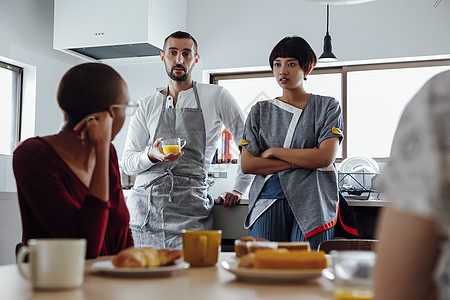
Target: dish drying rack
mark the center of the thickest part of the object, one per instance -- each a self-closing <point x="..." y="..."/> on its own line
<point x="357" y="185"/>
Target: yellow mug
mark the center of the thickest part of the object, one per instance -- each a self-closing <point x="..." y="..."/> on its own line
<point x="201" y="247"/>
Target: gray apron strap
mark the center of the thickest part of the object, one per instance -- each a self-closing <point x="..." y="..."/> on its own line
<point x="197" y="99"/>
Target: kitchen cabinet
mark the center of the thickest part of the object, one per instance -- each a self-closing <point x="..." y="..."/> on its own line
<point x="11" y="230"/>
<point x="366" y="214"/>
<point x="112" y="29"/>
<point x="231" y="221"/>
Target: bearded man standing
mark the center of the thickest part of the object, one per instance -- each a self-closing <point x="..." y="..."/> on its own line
<point x="170" y="191"/>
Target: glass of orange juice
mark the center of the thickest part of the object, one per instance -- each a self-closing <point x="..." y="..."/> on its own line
<point x="353" y="271"/>
<point x="353" y="293"/>
<point x="172" y="145"/>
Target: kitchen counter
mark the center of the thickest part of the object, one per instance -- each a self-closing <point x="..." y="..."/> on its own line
<point x="367" y="203"/>
<point x="351" y="202"/>
<point x="231" y="219"/>
<point x="8" y="196"/>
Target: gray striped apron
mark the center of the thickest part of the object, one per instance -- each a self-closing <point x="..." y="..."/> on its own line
<point x="172" y="196"/>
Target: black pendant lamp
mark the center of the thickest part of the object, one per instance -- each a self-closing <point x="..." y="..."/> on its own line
<point x="327" y="54"/>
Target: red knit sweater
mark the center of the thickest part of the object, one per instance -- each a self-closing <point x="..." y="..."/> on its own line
<point x="54" y="202"/>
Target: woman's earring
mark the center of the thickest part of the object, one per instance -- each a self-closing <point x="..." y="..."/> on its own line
<point x="305" y="78"/>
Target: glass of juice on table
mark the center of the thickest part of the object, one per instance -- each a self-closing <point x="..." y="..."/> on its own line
<point x="172" y="145"/>
<point x="353" y="271"/>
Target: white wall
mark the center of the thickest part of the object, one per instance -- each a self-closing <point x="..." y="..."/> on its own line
<point x="26" y="30"/>
<point x="26" y="36"/>
<point x="236" y="33"/>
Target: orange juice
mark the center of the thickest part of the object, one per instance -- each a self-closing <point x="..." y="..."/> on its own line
<point x="171" y="149"/>
<point x="353" y="294"/>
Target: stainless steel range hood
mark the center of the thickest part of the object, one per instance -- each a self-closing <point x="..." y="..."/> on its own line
<point x="111" y="29"/>
<point x="118" y="51"/>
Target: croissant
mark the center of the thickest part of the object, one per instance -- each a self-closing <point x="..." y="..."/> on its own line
<point x="145" y="257"/>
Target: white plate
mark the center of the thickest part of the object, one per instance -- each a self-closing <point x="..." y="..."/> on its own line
<point x="349" y="164"/>
<point x="270" y="275"/>
<point x="358" y="165"/>
<point x="107" y="268"/>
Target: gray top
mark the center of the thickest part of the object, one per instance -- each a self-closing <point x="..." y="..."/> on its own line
<point x="311" y="193"/>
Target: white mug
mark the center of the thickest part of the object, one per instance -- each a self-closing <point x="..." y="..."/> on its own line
<point x="53" y="263"/>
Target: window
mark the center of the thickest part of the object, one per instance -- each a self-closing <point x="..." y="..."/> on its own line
<point x="10" y="106"/>
<point x="372" y="97"/>
<point x="375" y="102"/>
<point x="248" y="91"/>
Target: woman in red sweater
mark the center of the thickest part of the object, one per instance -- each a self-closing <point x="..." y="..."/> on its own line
<point x="68" y="183"/>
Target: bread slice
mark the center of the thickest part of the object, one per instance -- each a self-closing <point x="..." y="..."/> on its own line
<point x="294" y="245"/>
<point x="297" y="260"/>
<point x="247" y="245"/>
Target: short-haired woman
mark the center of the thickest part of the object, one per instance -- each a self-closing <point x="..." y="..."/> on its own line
<point x="290" y="143"/>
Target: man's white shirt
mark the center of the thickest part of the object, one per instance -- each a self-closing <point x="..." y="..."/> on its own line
<point x="219" y="108"/>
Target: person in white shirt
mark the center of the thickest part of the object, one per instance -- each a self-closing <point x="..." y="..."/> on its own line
<point x="170" y="191"/>
<point x="413" y="255"/>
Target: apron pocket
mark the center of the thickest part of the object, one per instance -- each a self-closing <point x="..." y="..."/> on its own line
<point x="191" y="196"/>
<point x="137" y="204"/>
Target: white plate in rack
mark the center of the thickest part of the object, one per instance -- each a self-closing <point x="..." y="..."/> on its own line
<point x="359" y="166"/>
<point x="351" y="164"/>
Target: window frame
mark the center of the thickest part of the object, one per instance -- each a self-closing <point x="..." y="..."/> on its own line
<point x="343" y="68"/>
<point x="19" y="97"/>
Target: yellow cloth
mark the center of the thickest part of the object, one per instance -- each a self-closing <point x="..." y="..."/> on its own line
<point x="337" y="131"/>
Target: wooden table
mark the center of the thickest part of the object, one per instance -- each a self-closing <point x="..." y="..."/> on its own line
<point x="213" y="283"/>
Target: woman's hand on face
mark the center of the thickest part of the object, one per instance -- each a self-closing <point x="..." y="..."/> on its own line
<point x="96" y="129"/>
<point x="155" y="154"/>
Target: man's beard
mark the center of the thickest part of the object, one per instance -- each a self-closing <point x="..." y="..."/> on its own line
<point x="172" y="76"/>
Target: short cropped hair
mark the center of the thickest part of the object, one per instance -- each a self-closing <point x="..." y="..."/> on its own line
<point x="295" y="47"/>
<point x="88" y="88"/>
<point x="181" y="35"/>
